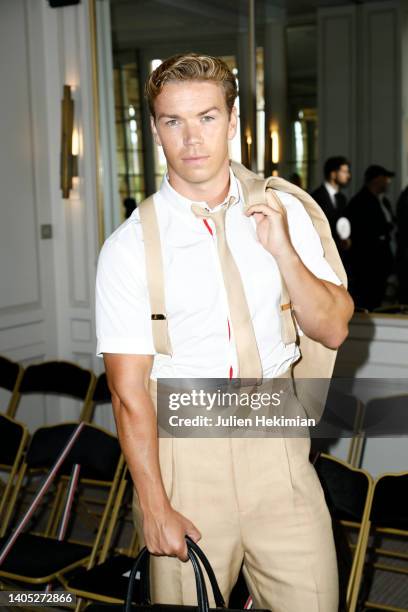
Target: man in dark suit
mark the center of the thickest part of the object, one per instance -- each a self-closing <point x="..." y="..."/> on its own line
<point x="372" y="223"/>
<point x="329" y="197"/>
<point x="402" y="246"/>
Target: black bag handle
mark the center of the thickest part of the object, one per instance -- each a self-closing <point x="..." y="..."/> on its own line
<point x="145" y="573"/>
<point x="142" y="564"/>
<point x="219" y="600"/>
<point x="143" y="557"/>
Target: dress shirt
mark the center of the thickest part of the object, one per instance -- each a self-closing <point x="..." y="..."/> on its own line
<point x="196" y="301"/>
<point x="332" y="193"/>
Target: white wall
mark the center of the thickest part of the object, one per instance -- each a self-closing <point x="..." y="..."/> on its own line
<point x="46" y="300"/>
<point x="363" y="93"/>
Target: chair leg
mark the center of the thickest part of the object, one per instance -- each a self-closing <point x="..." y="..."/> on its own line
<point x="355" y="587"/>
<point x="80" y="604"/>
<point x="12" y="502"/>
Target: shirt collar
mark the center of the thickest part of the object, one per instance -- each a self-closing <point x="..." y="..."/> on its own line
<point x="182" y="205"/>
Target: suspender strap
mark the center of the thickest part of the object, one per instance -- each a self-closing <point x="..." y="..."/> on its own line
<point x="155" y="275"/>
<point x="288" y="328"/>
<point x="258" y="191"/>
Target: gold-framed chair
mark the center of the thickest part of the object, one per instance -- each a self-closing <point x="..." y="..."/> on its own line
<point x="40" y="555"/>
<point x="388" y="518"/>
<point x="59" y="378"/>
<point x="348" y="491"/>
<point x="11" y="374"/>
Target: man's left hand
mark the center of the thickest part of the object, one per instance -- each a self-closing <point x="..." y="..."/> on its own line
<point x="272" y="228"/>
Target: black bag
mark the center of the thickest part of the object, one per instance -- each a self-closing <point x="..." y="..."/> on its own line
<point x="141" y="565"/>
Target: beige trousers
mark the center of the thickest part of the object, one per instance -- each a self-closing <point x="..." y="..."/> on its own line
<point x="257" y="502"/>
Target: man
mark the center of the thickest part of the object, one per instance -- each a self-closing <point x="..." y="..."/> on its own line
<point x="329" y="197"/>
<point x="402" y="246"/>
<point x="251" y="501"/>
<point x="371" y="257"/>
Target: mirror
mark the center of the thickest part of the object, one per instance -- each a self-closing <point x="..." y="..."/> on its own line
<point x="278" y="97"/>
<point x="134" y="37"/>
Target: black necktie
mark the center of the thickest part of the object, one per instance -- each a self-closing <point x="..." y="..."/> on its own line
<point x="338" y="200"/>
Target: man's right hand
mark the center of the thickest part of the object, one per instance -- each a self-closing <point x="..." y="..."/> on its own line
<point x="164" y="533"/>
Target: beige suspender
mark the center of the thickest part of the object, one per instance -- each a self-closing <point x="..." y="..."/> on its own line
<point x="155" y="275"/>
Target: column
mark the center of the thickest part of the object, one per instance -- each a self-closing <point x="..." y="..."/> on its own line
<point x="276" y="97"/>
<point x="148" y="144"/>
<point x="107" y="123"/>
<point x="246" y="60"/>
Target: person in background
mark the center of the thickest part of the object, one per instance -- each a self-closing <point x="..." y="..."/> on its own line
<point x="372" y="224"/>
<point x="129" y="205"/>
<point x="330" y="199"/>
<point x="402" y="246"/>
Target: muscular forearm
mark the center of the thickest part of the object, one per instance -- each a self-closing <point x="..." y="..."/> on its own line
<point x="164" y="529"/>
<point x="137" y="431"/>
<point x="322" y="309"/>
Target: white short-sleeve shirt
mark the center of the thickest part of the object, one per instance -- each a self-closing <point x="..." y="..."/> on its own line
<point x="201" y="334"/>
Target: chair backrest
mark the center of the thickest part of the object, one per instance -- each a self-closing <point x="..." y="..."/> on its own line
<point x="57" y="377"/>
<point x="10" y="377"/>
<point x="96" y="450"/>
<point x="389" y="506"/>
<point x="60" y="378"/>
<point x="346" y="488"/>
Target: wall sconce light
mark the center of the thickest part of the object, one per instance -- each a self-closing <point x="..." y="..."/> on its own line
<point x="249" y="143"/>
<point x="275" y="146"/>
<point x="69" y="143"/>
<point x="274" y="150"/>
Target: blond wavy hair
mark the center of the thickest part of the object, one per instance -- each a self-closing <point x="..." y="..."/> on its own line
<point x="191" y="67"/>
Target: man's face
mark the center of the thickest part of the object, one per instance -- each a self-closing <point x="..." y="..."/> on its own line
<point x="380" y="184"/>
<point x="384" y="183"/>
<point x="342" y="175"/>
<point x="193" y="126"/>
